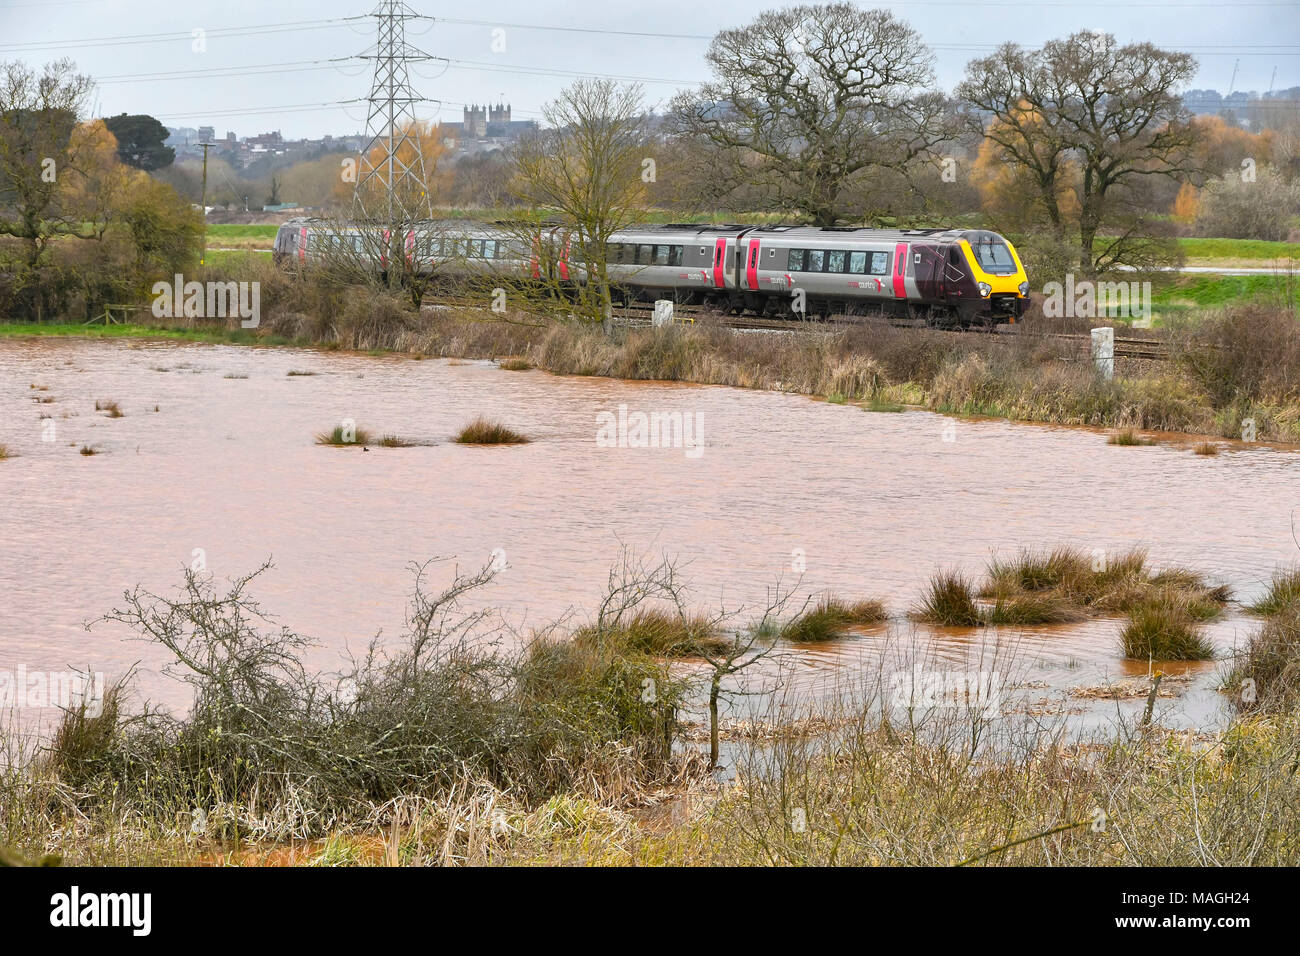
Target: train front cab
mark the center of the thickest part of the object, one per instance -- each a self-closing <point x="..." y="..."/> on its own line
<point x="999" y="276"/>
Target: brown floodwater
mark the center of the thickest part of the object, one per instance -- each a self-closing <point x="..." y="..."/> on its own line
<point x="215" y="450"/>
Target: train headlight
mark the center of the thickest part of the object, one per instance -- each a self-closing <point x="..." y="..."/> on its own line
<point x="1024" y="288"/>
<point x="985" y="289"/>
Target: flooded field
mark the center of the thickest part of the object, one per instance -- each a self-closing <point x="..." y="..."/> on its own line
<point x="214" y="459"/>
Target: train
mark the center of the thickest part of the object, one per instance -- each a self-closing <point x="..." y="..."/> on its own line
<point x="950" y="278"/>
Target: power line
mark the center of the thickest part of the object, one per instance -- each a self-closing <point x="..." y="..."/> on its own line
<point x="217" y="32"/>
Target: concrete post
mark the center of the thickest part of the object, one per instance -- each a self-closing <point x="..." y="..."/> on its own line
<point x="663" y="312"/>
<point x="1103" y="351"/>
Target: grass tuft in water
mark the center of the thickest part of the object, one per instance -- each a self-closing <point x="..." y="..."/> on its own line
<point x="1163" y="627"/>
<point x="515" y="365"/>
<point x="1128" y="437"/>
<point x="831" y="618"/>
<point x="949" y="601"/>
<point x="483" y="432"/>
<point x="107" y="405"/>
<point x="339" y="438"/>
<point x="1283" y="594"/>
<point x="662" y="633"/>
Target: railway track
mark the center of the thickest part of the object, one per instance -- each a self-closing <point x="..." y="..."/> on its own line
<point x="638" y="315"/>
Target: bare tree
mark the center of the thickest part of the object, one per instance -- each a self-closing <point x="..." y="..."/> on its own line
<point x="1112" y="111"/>
<point x="811" y="99"/>
<point x="588" y="168"/>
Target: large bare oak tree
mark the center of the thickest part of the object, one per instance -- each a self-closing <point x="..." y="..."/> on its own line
<point x="1112" y="113"/>
<point x="807" y="101"/>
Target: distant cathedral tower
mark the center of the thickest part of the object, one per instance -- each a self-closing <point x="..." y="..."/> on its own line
<point x="478" y="118"/>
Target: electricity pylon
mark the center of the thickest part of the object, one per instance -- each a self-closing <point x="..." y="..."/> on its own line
<point x="390" y="189"/>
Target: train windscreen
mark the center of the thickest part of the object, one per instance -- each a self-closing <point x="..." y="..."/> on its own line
<point x="994" y="257"/>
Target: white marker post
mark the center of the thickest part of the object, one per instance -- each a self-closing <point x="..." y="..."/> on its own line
<point x="1103" y="351"/>
<point x="663" y="312"/>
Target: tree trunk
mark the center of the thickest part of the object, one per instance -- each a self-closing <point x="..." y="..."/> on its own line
<point x="714" y="688"/>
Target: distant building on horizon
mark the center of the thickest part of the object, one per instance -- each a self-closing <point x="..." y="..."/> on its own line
<point x="485" y="127"/>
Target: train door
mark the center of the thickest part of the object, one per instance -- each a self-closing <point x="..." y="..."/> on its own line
<point x="900" y="271"/>
<point x="720" y="264"/>
<point x="751" y="265"/>
<point x="930" y="268"/>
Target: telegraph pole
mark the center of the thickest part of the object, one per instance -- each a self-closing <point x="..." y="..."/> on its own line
<point x="203" y="203"/>
<point x="391" y="189"/>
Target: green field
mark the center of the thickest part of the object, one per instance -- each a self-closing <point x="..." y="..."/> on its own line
<point x="1256" y="249"/>
<point x="1211" y="291"/>
<point x="228" y="231"/>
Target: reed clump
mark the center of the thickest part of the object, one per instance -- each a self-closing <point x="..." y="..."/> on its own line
<point x="1163" y="627"/>
<point x="662" y="633"/>
<point x="340" y="436"/>
<point x="831" y="618"/>
<point x="1265" y="673"/>
<point x="948" y="601"/>
<point x="1128" y="437"/>
<point x="482" y="431"/>
<point x="1283" y="594"/>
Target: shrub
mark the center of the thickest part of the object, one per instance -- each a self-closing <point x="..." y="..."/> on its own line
<point x="1234" y="209"/>
<point x="270" y="745"/>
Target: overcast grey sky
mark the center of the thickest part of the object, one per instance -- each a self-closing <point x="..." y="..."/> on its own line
<point x="274" y="79"/>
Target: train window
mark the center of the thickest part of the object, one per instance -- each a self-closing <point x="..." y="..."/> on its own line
<point x="675" y="255"/>
<point x="858" y="263"/>
<point x="835" y="260"/>
<point x="490" y="248"/>
<point x="815" y="259"/>
<point x="796" y="260"/>
<point x="879" y="264"/>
